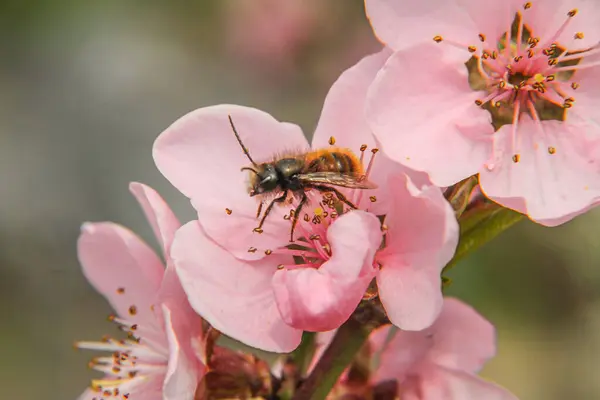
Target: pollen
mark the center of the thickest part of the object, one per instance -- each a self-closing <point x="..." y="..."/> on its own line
<point x="527" y="6"/>
<point x="228" y="211"/>
<point x="438" y="39"/>
<point x="363" y="147"/>
<point x="268" y="252"/>
<point x="472" y="49"/>
<point x="573" y="12"/>
<point x="579" y="35"/>
<point x="121" y="290"/>
<point x="132" y="310"/>
<point x="551" y="150"/>
<point x="331" y="140"/>
<point x="319" y="211"/>
<point x="574" y="85"/>
<point x="373" y="199"/>
<point x="482" y="37"/>
<point x="252" y="250"/>
<point x="539" y="77"/>
<point x="516" y="158"/>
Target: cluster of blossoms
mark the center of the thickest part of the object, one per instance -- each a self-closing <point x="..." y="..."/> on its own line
<point x="499" y="91"/>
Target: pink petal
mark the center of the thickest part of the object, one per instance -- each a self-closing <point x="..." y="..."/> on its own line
<point x="343" y="117"/>
<point x="122" y="268"/>
<point x="421" y="108"/>
<point x="402" y="24"/>
<point x="323" y="299"/>
<point x="447" y="384"/>
<point x="233" y="295"/>
<point x="164" y="223"/>
<point x="400" y="352"/>
<point x="183" y="370"/>
<point x="551" y="186"/>
<point x="462" y="338"/>
<point x="421" y="239"/>
<point x="201" y="157"/>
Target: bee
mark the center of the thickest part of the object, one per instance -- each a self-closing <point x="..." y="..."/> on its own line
<point x="322" y="170"/>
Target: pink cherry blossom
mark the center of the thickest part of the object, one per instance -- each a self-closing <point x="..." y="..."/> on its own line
<point x="439" y="363"/>
<point x="260" y="294"/>
<point x="422" y="232"/>
<point x="163" y="357"/>
<point x="522" y="116"/>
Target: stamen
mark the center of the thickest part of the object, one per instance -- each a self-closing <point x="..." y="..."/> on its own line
<point x="373" y="152"/>
<point x="577" y="67"/>
<point x="228" y="211"/>
<point x="331" y="140"/>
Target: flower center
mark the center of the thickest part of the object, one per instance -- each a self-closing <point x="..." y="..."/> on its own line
<point x="525" y="74"/>
<point x="132" y="362"/>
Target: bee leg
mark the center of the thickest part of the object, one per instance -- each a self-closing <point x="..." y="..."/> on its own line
<point x="260" y="206"/>
<point x="270" y="207"/>
<point x="303" y="200"/>
<point x="339" y="194"/>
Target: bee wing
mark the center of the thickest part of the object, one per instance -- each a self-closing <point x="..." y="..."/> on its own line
<point x="337" y="179"/>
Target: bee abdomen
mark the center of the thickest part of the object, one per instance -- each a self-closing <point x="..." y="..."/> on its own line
<point x="335" y="161"/>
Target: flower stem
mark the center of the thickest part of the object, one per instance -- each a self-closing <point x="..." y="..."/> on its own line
<point x="347" y="341"/>
<point x="480" y="225"/>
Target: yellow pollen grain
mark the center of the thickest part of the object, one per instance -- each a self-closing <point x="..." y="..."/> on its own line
<point x="551" y="150"/>
<point x="516" y="158"/>
<point x="228" y="211"/>
<point x="482" y="37"/>
<point x="527" y="6"/>
<point x="331" y="140"/>
<point x="132" y="310"/>
<point x="438" y="39"/>
<point x="319" y="211"/>
<point x="573" y="12"/>
<point x="579" y="35"/>
<point x="539" y="78"/>
<point x="472" y="49"/>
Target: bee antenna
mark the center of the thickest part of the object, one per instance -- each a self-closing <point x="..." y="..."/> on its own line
<point x="237" y="136"/>
<point x="249" y="169"/>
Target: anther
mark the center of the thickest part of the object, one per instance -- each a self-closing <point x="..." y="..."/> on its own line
<point x="552" y="61"/>
<point x="438" y="39"/>
<point x="527" y="6"/>
<point x="228" y="211"/>
<point x="257" y="230"/>
<point x="331" y="140"/>
<point x="363" y="147"/>
<point x="501" y="84"/>
<point x="121" y="290"/>
<point x="485" y="55"/>
<point x="334" y="214"/>
<point x="579" y="35"/>
<point x="252" y="250"/>
<point x="551" y="150"/>
<point x="111" y="317"/>
<point x="494" y="54"/>
<point x="374" y="150"/>
<point x="268" y="252"/>
<point x="132" y="310"/>
<point x="306" y="217"/>
<point x="280" y="266"/>
<point x="516" y="158"/>
<point x="315" y="237"/>
<point x="574" y="85"/>
<point x="550" y="78"/>
<point x="530" y="53"/>
<point x="497" y="104"/>
<point x="518" y="58"/>
<point x="373" y="199"/>
<point x="573" y="12"/>
<point x="478" y="102"/>
<point x="482" y="37"/>
<point x="567" y="104"/>
<point x="472" y="49"/>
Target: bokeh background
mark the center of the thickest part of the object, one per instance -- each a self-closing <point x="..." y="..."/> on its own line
<point x="87" y="86"/>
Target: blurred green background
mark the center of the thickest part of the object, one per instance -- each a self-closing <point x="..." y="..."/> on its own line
<point x="87" y="87"/>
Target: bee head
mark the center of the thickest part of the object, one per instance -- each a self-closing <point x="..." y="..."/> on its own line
<point x="263" y="180"/>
